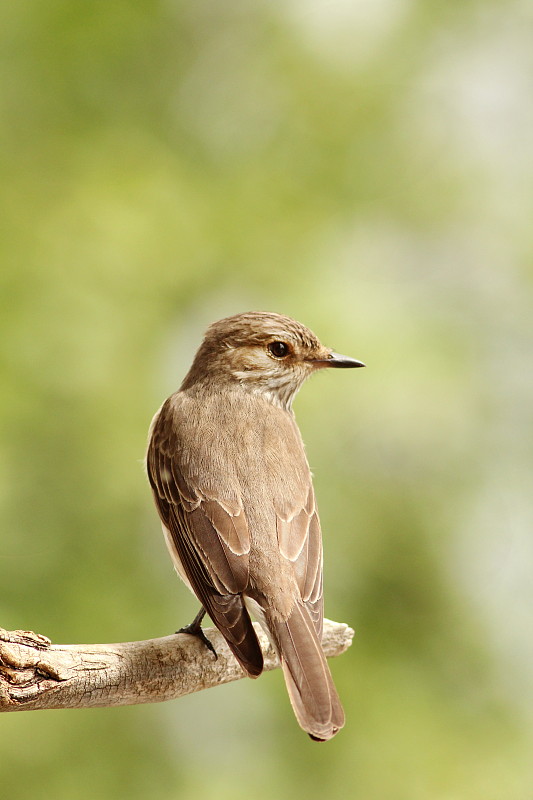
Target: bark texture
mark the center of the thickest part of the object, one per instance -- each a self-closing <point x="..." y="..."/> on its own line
<point x="36" y="674"/>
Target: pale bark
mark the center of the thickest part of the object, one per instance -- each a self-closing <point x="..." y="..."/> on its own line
<point x="36" y="674"/>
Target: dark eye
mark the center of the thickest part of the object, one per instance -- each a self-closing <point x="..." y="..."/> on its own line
<point x="278" y="349"/>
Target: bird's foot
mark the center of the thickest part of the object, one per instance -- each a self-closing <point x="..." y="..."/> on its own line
<point x="194" y="628"/>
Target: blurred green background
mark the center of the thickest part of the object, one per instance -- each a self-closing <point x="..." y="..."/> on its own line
<point x="366" y="168"/>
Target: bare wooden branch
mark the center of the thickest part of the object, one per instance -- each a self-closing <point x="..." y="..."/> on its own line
<point x="36" y="674"/>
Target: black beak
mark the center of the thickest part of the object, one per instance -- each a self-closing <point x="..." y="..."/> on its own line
<point x="338" y="361"/>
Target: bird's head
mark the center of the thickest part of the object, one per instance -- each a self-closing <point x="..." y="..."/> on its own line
<point x="264" y="353"/>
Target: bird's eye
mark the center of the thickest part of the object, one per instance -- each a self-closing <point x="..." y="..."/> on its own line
<point x="278" y="349"/>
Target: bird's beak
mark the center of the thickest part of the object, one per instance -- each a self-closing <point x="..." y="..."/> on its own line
<point x="338" y="361"/>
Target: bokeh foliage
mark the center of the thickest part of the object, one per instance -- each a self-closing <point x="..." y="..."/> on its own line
<point x="367" y="169"/>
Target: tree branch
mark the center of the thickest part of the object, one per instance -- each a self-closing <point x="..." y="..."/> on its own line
<point x="36" y="674"/>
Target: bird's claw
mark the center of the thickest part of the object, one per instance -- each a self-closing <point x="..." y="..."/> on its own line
<point x="193" y="629"/>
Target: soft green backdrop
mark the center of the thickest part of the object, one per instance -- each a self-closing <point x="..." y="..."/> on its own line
<point x="367" y="168"/>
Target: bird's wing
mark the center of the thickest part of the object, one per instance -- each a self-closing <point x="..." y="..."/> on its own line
<point x="211" y="541"/>
<point x="300" y="541"/>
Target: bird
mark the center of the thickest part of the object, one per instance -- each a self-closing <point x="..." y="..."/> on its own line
<point x="234" y="492"/>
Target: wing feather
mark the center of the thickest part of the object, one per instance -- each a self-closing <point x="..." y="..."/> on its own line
<point x="300" y="541"/>
<point x="212" y="543"/>
<point x="232" y="528"/>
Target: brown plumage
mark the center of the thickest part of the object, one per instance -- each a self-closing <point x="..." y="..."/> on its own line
<point x="233" y="489"/>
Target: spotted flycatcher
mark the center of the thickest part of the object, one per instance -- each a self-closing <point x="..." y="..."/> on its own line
<point x="232" y="486"/>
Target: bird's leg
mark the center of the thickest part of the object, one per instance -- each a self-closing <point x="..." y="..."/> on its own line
<point x="194" y="628"/>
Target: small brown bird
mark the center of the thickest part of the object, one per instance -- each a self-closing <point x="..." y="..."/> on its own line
<point x="233" y="488"/>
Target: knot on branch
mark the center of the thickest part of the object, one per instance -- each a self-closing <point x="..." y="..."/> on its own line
<point x="24" y="674"/>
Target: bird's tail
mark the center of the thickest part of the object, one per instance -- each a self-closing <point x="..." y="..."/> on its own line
<point x="311" y="689"/>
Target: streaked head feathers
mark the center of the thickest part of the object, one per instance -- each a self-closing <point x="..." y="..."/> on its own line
<point x="263" y="352"/>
